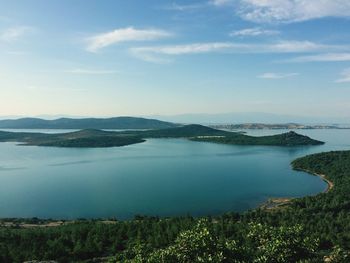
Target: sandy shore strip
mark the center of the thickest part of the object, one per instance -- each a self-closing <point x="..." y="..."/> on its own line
<point x="279" y="202"/>
<point x="330" y="184"/>
<point x="52" y="223"/>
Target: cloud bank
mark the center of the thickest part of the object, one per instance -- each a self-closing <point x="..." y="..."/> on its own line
<point x="14" y="33"/>
<point x="252" y="32"/>
<point x="128" y="34"/>
<point x="345" y="76"/>
<point x="327" y="57"/>
<point x="271" y="75"/>
<point x="286" y="11"/>
<point x="157" y="53"/>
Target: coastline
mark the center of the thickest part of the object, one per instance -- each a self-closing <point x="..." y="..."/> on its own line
<point x="270" y="204"/>
<point x="330" y="184"/>
<point x="278" y="202"/>
<point x="45" y="223"/>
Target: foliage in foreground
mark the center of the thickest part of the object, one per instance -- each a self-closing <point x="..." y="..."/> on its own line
<point x="265" y="244"/>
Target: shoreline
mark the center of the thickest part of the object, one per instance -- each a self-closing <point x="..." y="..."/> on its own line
<point x="277" y="202"/>
<point x="270" y="204"/>
<point x="330" y="184"/>
<point x="45" y="223"/>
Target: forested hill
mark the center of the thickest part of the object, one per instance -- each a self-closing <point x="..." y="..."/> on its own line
<point x="86" y="123"/>
<point x="285" y="139"/>
<point x="186" y="131"/>
<point x="88" y="138"/>
<point x="100" y="138"/>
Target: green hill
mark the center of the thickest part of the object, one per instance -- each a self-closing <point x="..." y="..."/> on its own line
<point x="186" y="131"/>
<point x="285" y="139"/>
<point x="93" y="142"/>
<point x="84" y="138"/>
<point x="86" y="123"/>
<point x="99" y="138"/>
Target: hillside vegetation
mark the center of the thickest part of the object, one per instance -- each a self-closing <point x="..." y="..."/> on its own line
<point x="285" y="139"/>
<point x="99" y="138"/>
<point x="86" y="123"/>
<point x="84" y="138"/>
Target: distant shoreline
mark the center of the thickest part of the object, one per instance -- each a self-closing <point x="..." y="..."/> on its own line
<point x="278" y="126"/>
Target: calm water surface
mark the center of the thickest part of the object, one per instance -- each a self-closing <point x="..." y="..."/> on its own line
<point x="159" y="177"/>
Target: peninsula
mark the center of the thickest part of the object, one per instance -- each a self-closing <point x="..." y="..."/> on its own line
<point x="285" y="139"/>
<point x="100" y="138"/>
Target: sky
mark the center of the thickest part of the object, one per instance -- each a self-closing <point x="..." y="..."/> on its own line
<point x="158" y="57"/>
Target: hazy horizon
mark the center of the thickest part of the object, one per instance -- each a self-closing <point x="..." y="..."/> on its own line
<point x="209" y="118"/>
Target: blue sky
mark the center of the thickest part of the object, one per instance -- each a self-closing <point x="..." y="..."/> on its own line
<point x="110" y="58"/>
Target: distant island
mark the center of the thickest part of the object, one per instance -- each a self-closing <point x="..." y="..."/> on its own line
<point x="99" y="138"/>
<point x="88" y="138"/>
<point x="86" y="123"/>
<point x="285" y="139"/>
<point x="286" y="126"/>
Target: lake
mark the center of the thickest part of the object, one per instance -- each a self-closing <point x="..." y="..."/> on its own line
<point x="164" y="177"/>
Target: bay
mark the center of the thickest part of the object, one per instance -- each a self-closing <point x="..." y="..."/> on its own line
<point x="160" y="177"/>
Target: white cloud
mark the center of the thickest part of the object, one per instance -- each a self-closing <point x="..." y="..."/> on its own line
<point x="287" y="10"/>
<point x="15" y="33"/>
<point x="299" y="46"/>
<point x="149" y="56"/>
<point x="188" y="7"/>
<point x="271" y="75"/>
<point x="186" y="49"/>
<point x="90" y="71"/>
<point x="277" y="11"/>
<point x="328" y="57"/>
<point x="220" y="2"/>
<point x="345" y="76"/>
<point x="256" y="31"/>
<point x="123" y="35"/>
<point x="155" y="53"/>
<point x="181" y="7"/>
<point x="152" y="54"/>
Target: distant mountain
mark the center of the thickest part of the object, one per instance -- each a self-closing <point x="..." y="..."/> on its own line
<point x="261" y="126"/>
<point x="249" y="117"/>
<point x="86" y="123"/>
